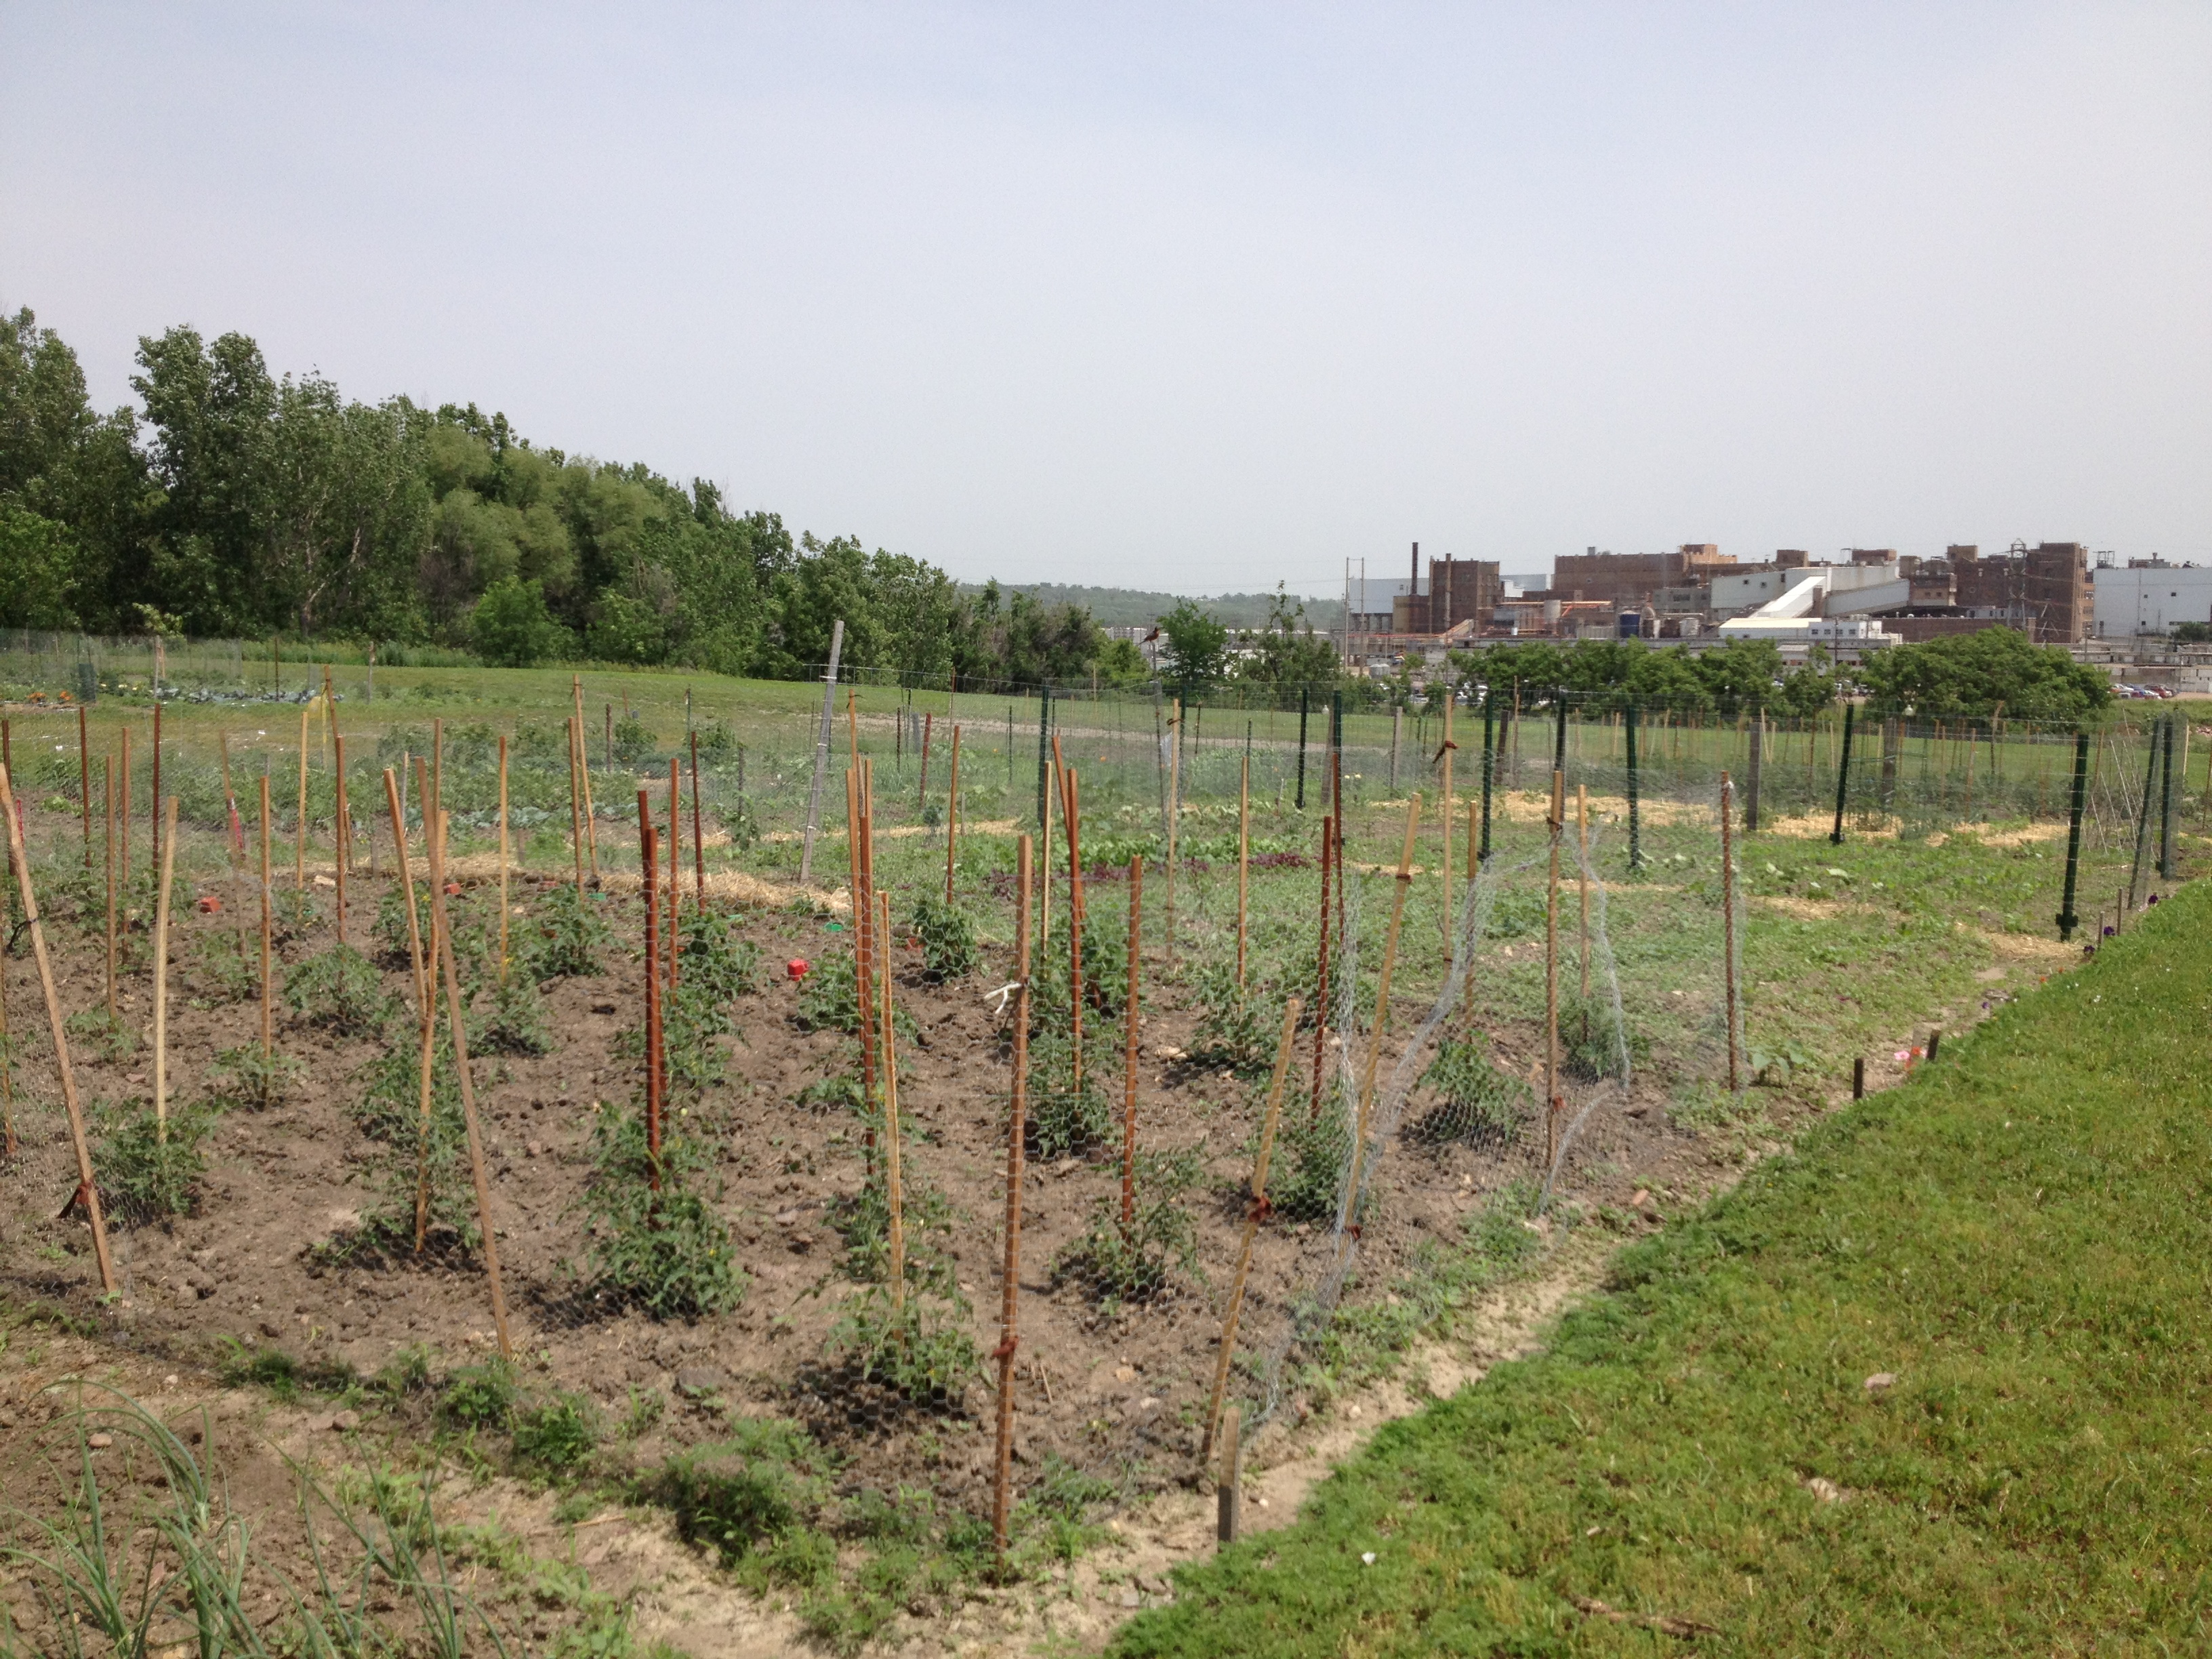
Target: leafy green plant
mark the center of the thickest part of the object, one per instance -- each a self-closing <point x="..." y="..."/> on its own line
<point x="841" y="1092"/>
<point x="633" y="740"/>
<point x="293" y="911"/>
<point x="564" y="934"/>
<point x="513" y="1021"/>
<point x="107" y="1036"/>
<point x="149" y="1171"/>
<point x="389" y="930"/>
<point x="717" y="963"/>
<point x="927" y="1357"/>
<point x="1312" y="1153"/>
<point x="1476" y="1099"/>
<point x="223" y="970"/>
<point x="864" y="1221"/>
<point x="340" y="990"/>
<point x="1064" y="1121"/>
<point x="947" y="932"/>
<point x="664" y="1252"/>
<point x="559" y="1436"/>
<point x="1117" y="1264"/>
<point x="734" y="1494"/>
<point x="1592" y="1036"/>
<point x="830" y="997"/>
<point x="1774" y="1061"/>
<point x="245" y="1077"/>
<point x="1235" y="1027"/>
<point x="480" y="1396"/>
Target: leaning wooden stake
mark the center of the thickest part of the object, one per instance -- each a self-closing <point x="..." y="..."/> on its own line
<point x="576" y="797"/>
<point x="1130" y="1021"/>
<point x="1227" y="1495"/>
<point x="1254" y="1213"/>
<point x="862" y="914"/>
<point x="441" y="935"/>
<point x="952" y="818"/>
<point x="162" y="971"/>
<point x="1582" y="876"/>
<point x="425" y="1010"/>
<point x="1010" y="1273"/>
<point x="1070" y="812"/>
<point x="1728" y="921"/>
<point x="584" y="780"/>
<point x="1244" y="859"/>
<point x="88" y="1190"/>
<point x="1347" y="1219"/>
<point x="1556" y="825"/>
<point x="894" y="1194"/>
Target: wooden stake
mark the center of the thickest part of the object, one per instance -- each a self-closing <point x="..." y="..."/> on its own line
<point x="123" y="806"/>
<point x="648" y="866"/>
<point x="1129" y="1017"/>
<point x="442" y="935"/>
<point x="234" y="825"/>
<point x="1444" y="817"/>
<point x="1253" y="1213"/>
<point x="268" y="951"/>
<point x="952" y="817"/>
<point x="1175" y="815"/>
<point x="1072" y="814"/>
<point x="425" y="1010"/>
<point x="698" y="836"/>
<point x="1582" y="879"/>
<point x="584" y="780"/>
<point x="1227" y="1494"/>
<point x="345" y="827"/>
<point x="503" y="904"/>
<point x="1728" y="921"/>
<point x="84" y="778"/>
<point x="1244" y="859"/>
<point x="109" y="776"/>
<point x="88" y="1189"/>
<point x="921" y="795"/>
<point x="154" y="817"/>
<point x="1320" y="989"/>
<point x="1552" y="1103"/>
<point x="299" y="830"/>
<point x="893" y="1193"/>
<point x="1010" y="1273"/>
<point x="161" y="974"/>
<point x="675" y="867"/>
<point x="1347" y="1220"/>
<point x="1045" y="857"/>
<point x="862" y="914"/>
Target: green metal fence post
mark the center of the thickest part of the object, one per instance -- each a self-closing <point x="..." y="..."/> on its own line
<point x="1842" y="777"/>
<point x="2068" y="921"/>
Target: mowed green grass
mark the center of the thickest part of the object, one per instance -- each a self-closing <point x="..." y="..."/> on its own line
<point x="2023" y="1234"/>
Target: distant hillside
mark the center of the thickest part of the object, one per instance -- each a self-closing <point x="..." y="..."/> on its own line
<point x="1132" y="607"/>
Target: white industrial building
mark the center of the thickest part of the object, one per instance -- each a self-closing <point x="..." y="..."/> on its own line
<point x="2149" y="597"/>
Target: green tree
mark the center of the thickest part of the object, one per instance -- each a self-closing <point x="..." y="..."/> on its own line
<point x="1195" y="658"/>
<point x="511" y="627"/>
<point x="1286" y="656"/>
<point x="1975" y="674"/>
<point x="36" y="557"/>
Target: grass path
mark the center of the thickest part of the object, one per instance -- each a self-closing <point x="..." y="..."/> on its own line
<point x="2018" y="1236"/>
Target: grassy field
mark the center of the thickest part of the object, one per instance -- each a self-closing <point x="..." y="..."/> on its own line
<point x="2016" y="1236"/>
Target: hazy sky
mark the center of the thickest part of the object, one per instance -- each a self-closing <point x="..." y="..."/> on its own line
<point x="1188" y="297"/>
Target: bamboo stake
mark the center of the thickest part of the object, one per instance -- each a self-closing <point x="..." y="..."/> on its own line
<point x="268" y="952"/>
<point x="1070" y="813"/>
<point x="108" y="777"/>
<point x="1320" y="991"/>
<point x="1175" y="815"/>
<point x="503" y="905"/>
<point x="8" y="1144"/>
<point x="952" y="817"/>
<point x="425" y="1010"/>
<point x="921" y="795"/>
<point x="88" y="1190"/>
<point x="300" y="829"/>
<point x="442" y="935"/>
<point x="893" y="1192"/>
<point x="1347" y="1220"/>
<point x="162" y="975"/>
<point x="584" y="780"/>
<point x="84" y="778"/>
<point x="1129" y="1046"/>
<point x="1444" y="817"/>
<point x="1010" y="1276"/>
<point x="675" y="867"/>
<point x="1582" y="879"/>
<point x="1244" y="859"/>
<point x="1045" y="857"/>
<point x="1728" y="921"/>
<point x="1552" y="1103"/>
<point x="576" y="798"/>
<point x="649" y="867"/>
<point x="863" y="926"/>
<point x="154" y="817"/>
<point x="698" y="836"/>
<point x="123" y="806"/>
<point x="344" y="828"/>
<point x="1254" y="1214"/>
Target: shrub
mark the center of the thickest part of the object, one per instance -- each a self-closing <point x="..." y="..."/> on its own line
<point x="949" y="950"/>
<point x="511" y="628"/>
<point x="564" y="935"/>
<point x="339" y="990"/>
<point x="633" y="740"/>
<point x="246" y="1077"/>
<point x="665" y="1253"/>
<point x="559" y="1437"/>
<point x="1117" y="1264"/>
<point x="148" y="1172"/>
<point x="903" y="1348"/>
